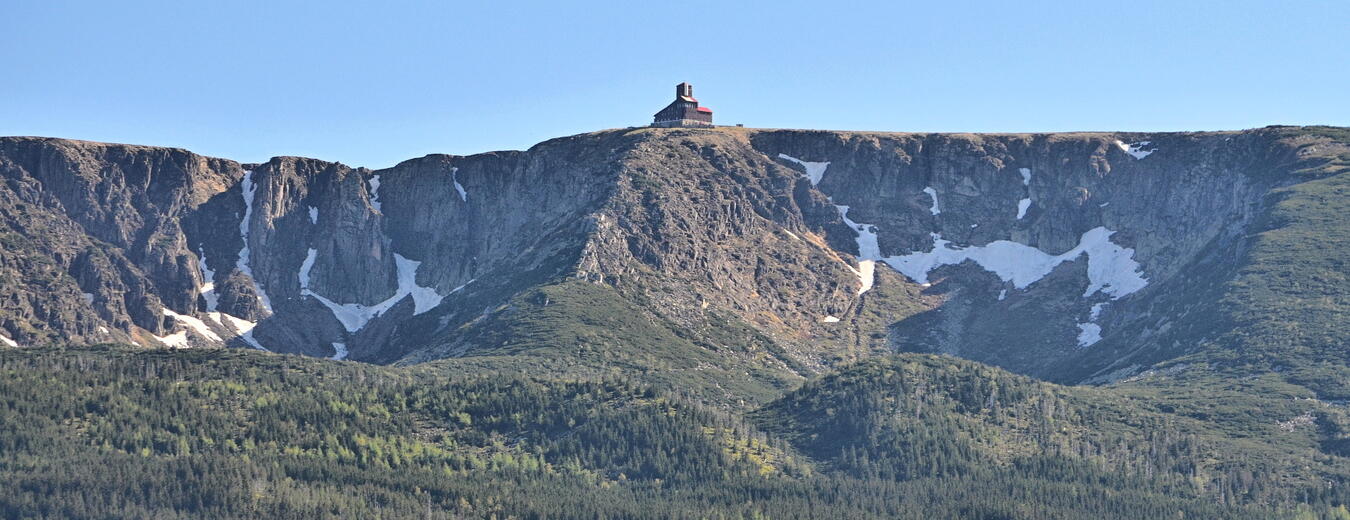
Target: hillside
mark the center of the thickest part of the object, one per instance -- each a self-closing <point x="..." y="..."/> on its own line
<point x="995" y="325"/>
<point x="961" y="235"/>
<point x="98" y="432"/>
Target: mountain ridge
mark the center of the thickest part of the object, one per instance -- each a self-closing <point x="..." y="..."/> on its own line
<point x="1150" y="323"/>
<point x="807" y="214"/>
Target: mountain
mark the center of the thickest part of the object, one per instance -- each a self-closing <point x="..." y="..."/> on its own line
<point x="1190" y="289"/>
<point x="1096" y="244"/>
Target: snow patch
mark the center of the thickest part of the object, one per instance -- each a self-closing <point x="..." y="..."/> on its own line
<point x="867" y="270"/>
<point x="242" y="327"/>
<point x="932" y="193"/>
<point x="472" y="280"/>
<point x="1135" y="149"/>
<point x="88" y="298"/>
<point x="339" y="351"/>
<point x="249" y="189"/>
<point x="868" y="249"/>
<point x="814" y="170"/>
<point x="1111" y="268"/>
<point x="793" y="235"/>
<point x="5" y="339"/>
<point x="355" y="316"/>
<point x="375" y="192"/>
<point x="313" y="215"/>
<point x="424" y="298"/>
<point x="454" y="177"/>
<point x="208" y="289"/>
<point x="197" y="325"/>
<point x="176" y="340"/>
<point x="306" y="266"/>
<point x="867" y="235"/>
<point x="1089" y="333"/>
<point x="180" y="339"/>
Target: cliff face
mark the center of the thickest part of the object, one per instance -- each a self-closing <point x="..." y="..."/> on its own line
<point x="1032" y="251"/>
<point x="292" y="255"/>
<point x="93" y="246"/>
<point x="1068" y="256"/>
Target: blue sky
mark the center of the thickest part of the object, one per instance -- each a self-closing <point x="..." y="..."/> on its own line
<point x="373" y="83"/>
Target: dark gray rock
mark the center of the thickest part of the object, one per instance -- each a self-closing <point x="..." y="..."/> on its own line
<point x="697" y="224"/>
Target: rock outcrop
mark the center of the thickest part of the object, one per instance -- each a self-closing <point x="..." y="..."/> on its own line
<point x="1067" y="256"/>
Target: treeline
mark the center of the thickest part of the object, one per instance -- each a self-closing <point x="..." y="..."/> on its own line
<point x="113" y="433"/>
<point x="915" y="417"/>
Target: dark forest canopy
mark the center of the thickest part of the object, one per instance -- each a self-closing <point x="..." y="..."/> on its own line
<point x="112" y="432"/>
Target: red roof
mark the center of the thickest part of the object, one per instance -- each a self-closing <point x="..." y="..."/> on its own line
<point x="705" y="109"/>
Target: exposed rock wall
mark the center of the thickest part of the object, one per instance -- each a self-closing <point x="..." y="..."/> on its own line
<point x="1012" y="249"/>
<point x="1169" y="199"/>
<point x="102" y="220"/>
<point x="701" y="220"/>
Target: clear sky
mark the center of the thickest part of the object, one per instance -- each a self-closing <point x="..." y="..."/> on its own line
<point x="372" y="83"/>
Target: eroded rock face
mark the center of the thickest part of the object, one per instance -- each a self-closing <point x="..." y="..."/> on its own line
<point x="1188" y="197"/>
<point x="94" y="247"/>
<point x="701" y="220"/>
<point x="291" y="255"/>
<point x="1132" y="229"/>
<point x="1066" y="256"/>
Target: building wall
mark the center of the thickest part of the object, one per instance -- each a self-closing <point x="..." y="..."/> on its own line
<point x="681" y="113"/>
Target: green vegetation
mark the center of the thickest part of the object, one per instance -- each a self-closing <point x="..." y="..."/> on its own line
<point x="1318" y="162"/>
<point x="1272" y="377"/>
<point x="574" y="328"/>
<point x="1297" y="268"/>
<point x="1275" y="345"/>
<point x="108" y="432"/>
<point x="583" y="400"/>
<point x="920" y="416"/>
<point x="113" y="432"/>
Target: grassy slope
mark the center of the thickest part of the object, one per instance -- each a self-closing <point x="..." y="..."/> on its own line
<point x="1293" y="296"/>
<point x="573" y="328"/>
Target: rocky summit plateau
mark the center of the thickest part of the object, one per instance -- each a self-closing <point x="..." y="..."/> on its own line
<point x="1167" y="306"/>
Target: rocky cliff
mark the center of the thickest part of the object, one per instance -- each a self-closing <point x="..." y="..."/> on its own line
<point x="1033" y="251"/>
<point x="1072" y="257"/>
